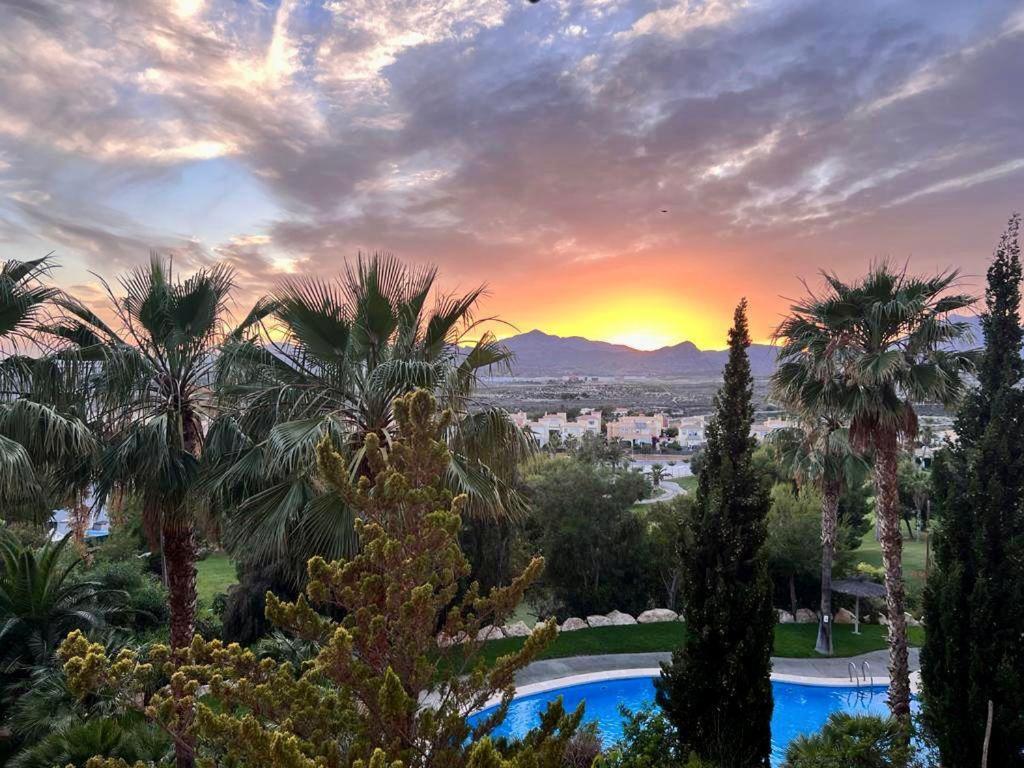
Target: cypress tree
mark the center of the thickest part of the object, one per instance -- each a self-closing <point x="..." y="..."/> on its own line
<point x="974" y="602"/>
<point x="717" y="689"/>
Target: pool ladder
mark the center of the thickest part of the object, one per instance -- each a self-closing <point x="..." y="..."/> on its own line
<point x="861" y="677"/>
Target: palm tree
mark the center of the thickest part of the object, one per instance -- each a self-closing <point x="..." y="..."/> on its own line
<point x="818" y="453"/>
<point x="41" y="601"/>
<point x="887" y="343"/>
<point x="658" y="473"/>
<point x="329" y="360"/>
<point x="149" y="386"/>
<point x="45" y="448"/>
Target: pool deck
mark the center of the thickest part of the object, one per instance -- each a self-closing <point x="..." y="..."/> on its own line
<point x="580" y="669"/>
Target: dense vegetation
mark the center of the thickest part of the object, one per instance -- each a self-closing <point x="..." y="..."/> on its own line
<point x="371" y="536"/>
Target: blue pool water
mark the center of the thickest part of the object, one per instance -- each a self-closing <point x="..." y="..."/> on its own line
<point x="799" y="709"/>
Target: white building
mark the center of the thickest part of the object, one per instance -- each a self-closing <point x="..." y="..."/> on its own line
<point x="691" y="431"/>
<point x="589" y="421"/>
<point x="761" y="429"/>
<point x="638" y="430"/>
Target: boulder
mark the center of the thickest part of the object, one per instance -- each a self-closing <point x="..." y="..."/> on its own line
<point x="806" y="616"/>
<point x="573" y="623"/>
<point x="656" y="615"/>
<point x="445" y="641"/>
<point x="490" y="632"/>
<point x="911" y="621"/>
<point x="785" y="617"/>
<point x="620" y="619"/>
<point x="542" y="623"/>
<point x="844" y="616"/>
<point x="883" y="620"/>
<point x="519" y="629"/>
<point x="599" y="621"/>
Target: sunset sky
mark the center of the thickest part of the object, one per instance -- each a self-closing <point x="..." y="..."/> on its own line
<point x="618" y="169"/>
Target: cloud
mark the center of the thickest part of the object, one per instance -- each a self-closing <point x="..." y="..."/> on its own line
<point x="505" y="140"/>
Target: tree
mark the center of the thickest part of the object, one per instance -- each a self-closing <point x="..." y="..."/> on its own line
<point x="583" y="523"/>
<point x="793" y="543"/>
<point x="328" y="360"/>
<point x="383" y="688"/>
<point x="149" y="384"/>
<point x="666" y="539"/>
<point x="45" y="447"/>
<point x="974" y="599"/>
<point x="885" y="343"/>
<point x="658" y="473"/>
<point x="42" y="599"/>
<point x="819" y="454"/>
<point x="717" y="690"/>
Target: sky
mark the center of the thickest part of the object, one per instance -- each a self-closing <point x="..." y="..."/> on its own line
<point x="623" y="170"/>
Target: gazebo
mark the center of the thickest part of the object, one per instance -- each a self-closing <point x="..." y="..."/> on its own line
<point x="858" y="587"/>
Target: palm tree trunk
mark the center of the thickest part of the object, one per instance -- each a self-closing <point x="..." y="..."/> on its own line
<point x="829" y="523"/>
<point x="888" y="513"/>
<point x="179" y="543"/>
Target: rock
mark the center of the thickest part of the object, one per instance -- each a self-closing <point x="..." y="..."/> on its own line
<point x="656" y="615"/>
<point x="519" y="629"/>
<point x="599" y="621"/>
<point x="785" y="617"/>
<point x="911" y="621"/>
<point x="573" y="623"/>
<point x="844" y="616"/>
<point x="490" y="632"/>
<point x="620" y="619"/>
<point x="883" y="620"/>
<point x="806" y="616"/>
<point x="444" y="641"/>
<point x="543" y="623"/>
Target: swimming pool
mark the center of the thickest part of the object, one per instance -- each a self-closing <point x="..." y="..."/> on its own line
<point x="799" y="709"/>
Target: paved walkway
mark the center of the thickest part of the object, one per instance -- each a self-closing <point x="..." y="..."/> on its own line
<point x="668" y="491"/>
<point x="837" y="668"/>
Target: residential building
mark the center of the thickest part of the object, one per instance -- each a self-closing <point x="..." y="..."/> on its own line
<point x="638" y="430"/>
<point x="589" y="421"/>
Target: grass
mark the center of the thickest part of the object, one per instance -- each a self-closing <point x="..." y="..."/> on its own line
<point x="870" y="551"/>
<point x="214" y="575"/>
<point x="791" y="640"/>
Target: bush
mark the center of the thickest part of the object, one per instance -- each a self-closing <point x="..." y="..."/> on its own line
<point x="648" y="741"/>
<point x="848" y="741"/>
<point x="147" y="605"/>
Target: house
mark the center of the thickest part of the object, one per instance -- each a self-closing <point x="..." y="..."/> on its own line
<point x="638" y="430"/>
<point x="543" y="428"/>
<point x="761" y="429"/>
<point x="691" y="431"/>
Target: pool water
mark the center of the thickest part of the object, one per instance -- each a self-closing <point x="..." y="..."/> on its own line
<point x="799" y="709"/>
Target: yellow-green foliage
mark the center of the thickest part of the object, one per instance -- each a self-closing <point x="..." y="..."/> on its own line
<point x="382" y="692"/>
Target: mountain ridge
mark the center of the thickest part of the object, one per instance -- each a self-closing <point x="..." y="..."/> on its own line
<point x="538" y="353"/>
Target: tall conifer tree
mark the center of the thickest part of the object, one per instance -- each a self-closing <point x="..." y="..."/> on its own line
<point x="974" y="603"/>
<point x="717" y="689"/>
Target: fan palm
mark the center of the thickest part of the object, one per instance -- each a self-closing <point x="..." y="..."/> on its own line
<point x="329" y="360"/>
<point x="148" y="384"/>
<point x="877" y="347"/>
<point x="45" y="448"/>
<point x="818" y="453"/>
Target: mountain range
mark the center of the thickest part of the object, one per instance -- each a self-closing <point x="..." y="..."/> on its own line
<point x="543" y="354"/>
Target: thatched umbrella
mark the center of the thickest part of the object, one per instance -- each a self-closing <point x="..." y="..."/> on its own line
<point x="858" y="587"/>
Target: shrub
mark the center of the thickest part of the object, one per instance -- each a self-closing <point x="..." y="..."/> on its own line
<point x="848" y="741"/>
<point x="649" y="740"/>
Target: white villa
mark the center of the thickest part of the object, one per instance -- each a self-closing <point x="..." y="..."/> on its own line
<point x="589" y="421"/>
<point x="638" y="430"/>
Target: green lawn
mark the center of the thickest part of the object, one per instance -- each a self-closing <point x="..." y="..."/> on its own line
<point x="214" y="575"/>
<point x="870" y="551"/>
<point x="791" y="640"/>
